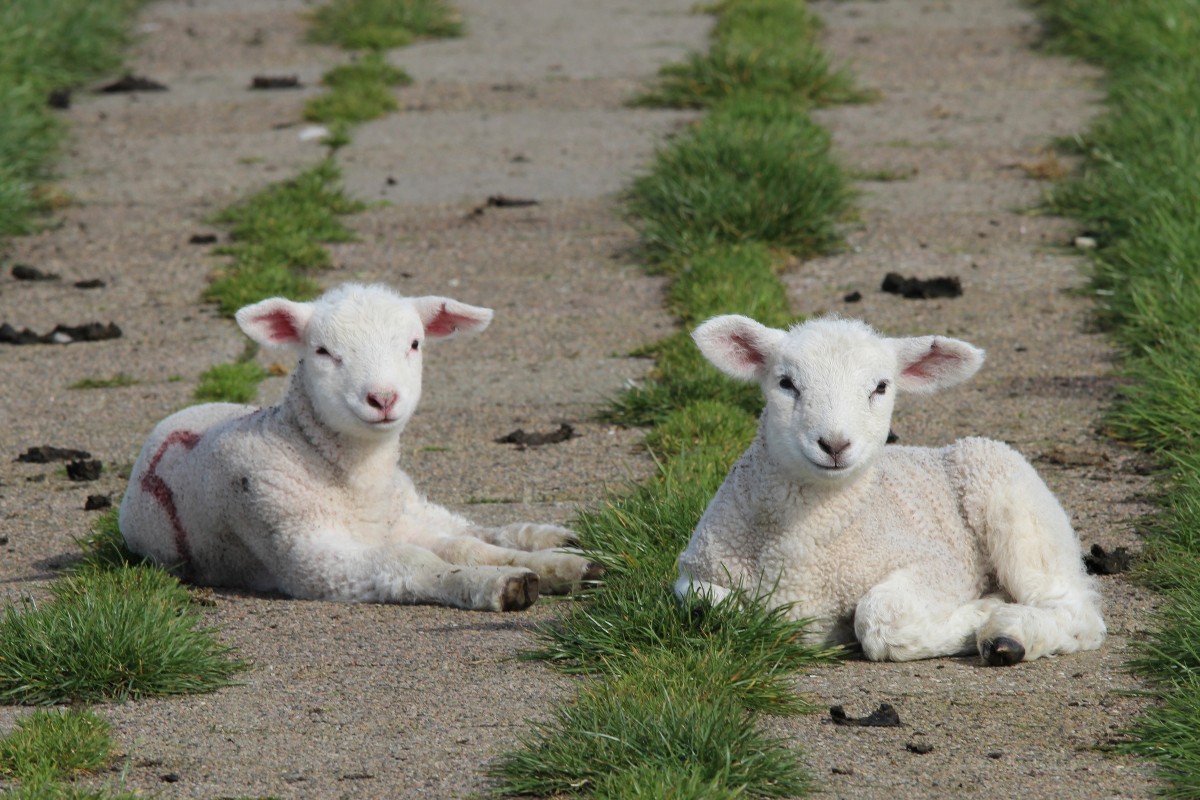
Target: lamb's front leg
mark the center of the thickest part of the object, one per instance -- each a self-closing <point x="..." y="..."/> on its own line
<point x="523" y="544"/>
<point x="526" y="536"/>
<point x="559" y="572"/>
<point x="426" y="519"/>
<point x="687" y="586"/>
<point x="326" y="568"/>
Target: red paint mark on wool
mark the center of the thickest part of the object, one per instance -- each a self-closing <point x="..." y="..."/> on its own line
<point x="157" y="488"/>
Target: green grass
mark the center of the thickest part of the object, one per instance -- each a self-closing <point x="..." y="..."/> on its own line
<point x="104" y="547"/>
<point x="116" y="381"/>
<point x="65" y="791"/>
<point x="674" y="696"/>
<point x="755" y="170"/>
<point x="277" y="238"/>
<point x="722" y="279"/>
<point x="49" y="748"/>
<point x="358" y="92"/>
<point x="236" y="382"/>
<point x="383" y="24"/>
<point x="1138" y="194"/>
<point x="53" y="745"/>
<point x="652" y="728"/>
<point x="46" y="45"/>
<point x="760" y="47"/>
<point x="109" y="632"/>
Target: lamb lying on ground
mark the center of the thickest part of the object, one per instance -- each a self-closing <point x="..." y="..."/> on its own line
<point x="307" y="498"/>
<point x="914" y="552"/>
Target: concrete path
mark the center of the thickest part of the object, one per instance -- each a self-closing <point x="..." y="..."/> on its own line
<point x="377" y="701"/>
<point x="354" y="701"/>
<point x="967" y="111"/>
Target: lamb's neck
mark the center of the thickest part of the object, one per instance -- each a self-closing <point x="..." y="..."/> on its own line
<point x="803" y="493"/>
<point x="348" y="456"/>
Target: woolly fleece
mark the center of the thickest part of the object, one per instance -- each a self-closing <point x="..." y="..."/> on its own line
<point x="910" y="552"/>
<point x="307" y="497"/>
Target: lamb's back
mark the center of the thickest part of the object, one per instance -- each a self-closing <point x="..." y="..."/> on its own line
<point x="155" y="515"/>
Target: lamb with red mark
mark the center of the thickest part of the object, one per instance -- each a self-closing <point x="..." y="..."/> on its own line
<point x="307" y="497"/>
<point x="157" y="488"/>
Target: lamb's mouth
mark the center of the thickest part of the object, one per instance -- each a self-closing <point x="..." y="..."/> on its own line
<point x="381" y="422"/>
<point x="828" y="468"/>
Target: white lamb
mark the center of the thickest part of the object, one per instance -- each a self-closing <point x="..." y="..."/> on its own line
<point x="307" y="497"/>
<point x="914" y="552"/>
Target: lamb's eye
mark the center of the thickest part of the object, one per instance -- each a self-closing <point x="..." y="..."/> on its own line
<point x="323" y="352"/>
<point x="881" y="389"/>
<point x="416" y="345"/>
<point x="786" y="383"/>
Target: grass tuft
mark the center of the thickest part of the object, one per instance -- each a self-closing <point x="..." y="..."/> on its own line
<point x="358" y="92"/>
<point x="236" y="382"/>
<point x="760" y="47"/>
<point x="109" y="634"/>
<point x="626" y="736"/>
<point x="718" y="431"/>
<point x="755" y="170"/>
<point x="50" y="746"/>
<point x="116" y="381"/>
<point x="383" y="24"/>
<point x="1166" y="735"/>
<point x="104" y="546"/>
<point x="277" y="236"/>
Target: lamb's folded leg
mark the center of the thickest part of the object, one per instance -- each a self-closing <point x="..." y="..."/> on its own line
<point x="402" y="573"/>
<point x="908" y="616"/>
<point x="526" y="536"/>
<point x="1015" y="632"/>
<point x="687" y="586"/>
<point x="1055" y="607"/>
<point x="559" y="572"/>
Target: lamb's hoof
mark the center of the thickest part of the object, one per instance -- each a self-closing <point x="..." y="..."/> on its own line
<point x="1002" y="651"/>
<point x="519" y="592"/>
<point x="593" y="572"/>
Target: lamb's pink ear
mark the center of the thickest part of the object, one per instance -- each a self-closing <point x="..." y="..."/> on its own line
<point x="930" y="363"/>
<point x="443" y="317"/>
<point x="737" y="345"/>
<point x="275" y="322"/>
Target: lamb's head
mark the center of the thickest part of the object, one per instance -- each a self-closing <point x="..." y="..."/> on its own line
<point x="830" y="385"/>
<point x="360" y="350"/>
